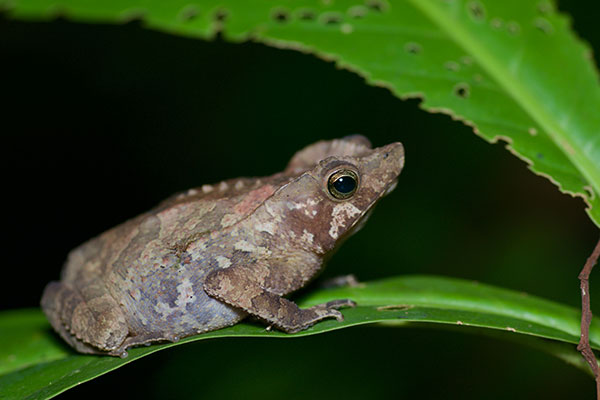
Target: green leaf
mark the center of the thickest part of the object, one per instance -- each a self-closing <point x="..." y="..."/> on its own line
<point x="26" y="339"/>
<point x="512" y="69"/>
<point x="37" y="365"/>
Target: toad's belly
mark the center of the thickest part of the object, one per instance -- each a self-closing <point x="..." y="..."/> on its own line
<point x="172" y="301"/>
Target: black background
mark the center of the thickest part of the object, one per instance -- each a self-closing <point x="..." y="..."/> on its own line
<point x="99" y="123"/>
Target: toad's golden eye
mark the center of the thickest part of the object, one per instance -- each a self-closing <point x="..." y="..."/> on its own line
<point x="342" y="184"/>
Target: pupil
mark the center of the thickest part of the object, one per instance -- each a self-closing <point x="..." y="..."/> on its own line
<point x="344" y="184"/>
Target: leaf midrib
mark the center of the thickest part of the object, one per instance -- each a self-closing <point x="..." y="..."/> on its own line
<point x="498" y="71"/>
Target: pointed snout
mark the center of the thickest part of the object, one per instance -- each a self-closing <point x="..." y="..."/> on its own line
<point x="393" y="157"/>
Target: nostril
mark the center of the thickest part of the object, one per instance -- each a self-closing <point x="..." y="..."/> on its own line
<point x="386" y="155"/>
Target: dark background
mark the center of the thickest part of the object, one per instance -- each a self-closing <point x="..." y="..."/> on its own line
<point x="100" y="123"/>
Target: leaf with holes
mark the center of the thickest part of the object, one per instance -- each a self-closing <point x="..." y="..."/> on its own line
<point x="35" y="364"/>
<point x="498" y="66"/>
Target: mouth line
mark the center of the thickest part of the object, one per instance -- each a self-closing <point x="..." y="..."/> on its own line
<point x="390" y="188"/>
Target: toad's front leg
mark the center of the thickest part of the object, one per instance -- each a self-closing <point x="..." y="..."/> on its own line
<point x="236" y="287"/>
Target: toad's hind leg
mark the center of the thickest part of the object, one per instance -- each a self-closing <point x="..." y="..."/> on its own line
<point x="236" y="287"/>
<point x="90" y="320"/>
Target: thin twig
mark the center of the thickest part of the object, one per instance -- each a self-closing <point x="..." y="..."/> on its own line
<point x="586" y="316"/>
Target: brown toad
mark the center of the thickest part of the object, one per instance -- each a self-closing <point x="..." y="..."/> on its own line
<point x="209" y="257"/>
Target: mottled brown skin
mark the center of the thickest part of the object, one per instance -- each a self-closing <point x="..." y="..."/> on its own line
<point x="207" y="258"/>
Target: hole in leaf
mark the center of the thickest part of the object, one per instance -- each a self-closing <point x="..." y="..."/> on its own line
<point x="5" y="8"/>
<point x="377" y="5"/>
<point x="590" y="192"/>
<point x="544" y="7"/>
<point x="496" y="23"/>
<point x="543" y="25"/>
<point x="467" y="60"/>
<point x="189" y="13"/>
<point x="221" y="15"/>
<point x="133" y="15"/>
<point x="452" y="66"/>
<point x="513" y="28"/>
<point x="413" y="48"/>
<point x="57" y="12"/>
<point x="306" y="14"/>
<point x="331" y="18"/>
<point x="280" y="15"/>
<point x="346" y="28"/>
<point x="462" y="90"/>
<point x="357" y="12"/>
<point x="476" y="10"/>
